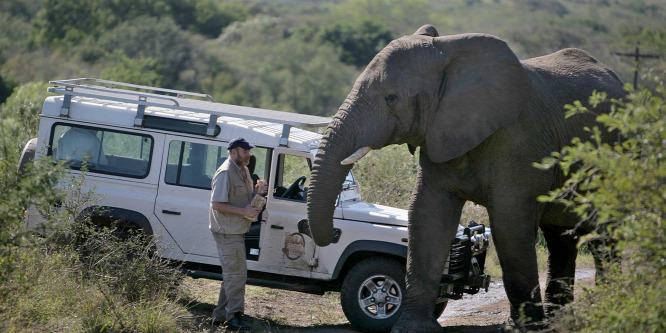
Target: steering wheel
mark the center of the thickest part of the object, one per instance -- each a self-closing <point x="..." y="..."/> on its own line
<point x="294" y="188"/>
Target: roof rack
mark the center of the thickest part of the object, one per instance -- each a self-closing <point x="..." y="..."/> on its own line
<point x="145" y="96"/>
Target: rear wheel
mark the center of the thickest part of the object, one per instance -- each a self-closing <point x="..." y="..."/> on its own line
<point x="28" y="154"/>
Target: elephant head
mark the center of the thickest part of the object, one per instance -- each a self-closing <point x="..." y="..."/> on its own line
<point x="445" y="94"/>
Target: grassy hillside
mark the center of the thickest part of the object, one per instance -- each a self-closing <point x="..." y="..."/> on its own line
<point x="299" y="56"/>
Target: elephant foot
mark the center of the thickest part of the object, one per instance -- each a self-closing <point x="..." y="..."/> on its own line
<point x="510" y="326"/>
<point x="416" y="326"/>
<point x="528" y="313"/>
<point x="559" y="293"/>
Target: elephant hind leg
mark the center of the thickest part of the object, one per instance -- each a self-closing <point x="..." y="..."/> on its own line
<point x="561" y="266"/>
<point x="604" y="251"/>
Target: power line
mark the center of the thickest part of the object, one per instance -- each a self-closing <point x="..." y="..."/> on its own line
<point x="637" y="55"/>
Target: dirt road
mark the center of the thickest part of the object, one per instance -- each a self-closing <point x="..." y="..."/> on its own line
<point x="270" y="310"/>
<point x="487" y="311"/>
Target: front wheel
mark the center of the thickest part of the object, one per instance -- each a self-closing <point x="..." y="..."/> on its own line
<point x="372" y="294"/>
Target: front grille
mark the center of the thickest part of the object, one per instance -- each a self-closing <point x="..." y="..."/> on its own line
<point x="460" y="257"/>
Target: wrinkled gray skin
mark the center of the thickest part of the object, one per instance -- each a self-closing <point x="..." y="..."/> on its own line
<point x="481" y="118"/>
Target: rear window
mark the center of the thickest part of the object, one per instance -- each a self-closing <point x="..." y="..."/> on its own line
<point x="101" y="150"/>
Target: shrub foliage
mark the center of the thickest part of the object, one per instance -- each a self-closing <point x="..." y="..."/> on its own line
<point x="70" y="276"/>
<point x="621" y="187"/>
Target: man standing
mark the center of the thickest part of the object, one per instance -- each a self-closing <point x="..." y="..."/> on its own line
<point x="231" y="194"/>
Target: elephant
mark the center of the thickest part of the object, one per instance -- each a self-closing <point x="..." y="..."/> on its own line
<point x="480" y="118"/>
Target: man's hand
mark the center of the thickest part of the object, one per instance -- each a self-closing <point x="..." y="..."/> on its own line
<point x="261" y="188"/>
<point x="251" y="212"/>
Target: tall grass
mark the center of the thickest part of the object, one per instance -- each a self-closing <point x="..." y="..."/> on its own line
<point x="92" y="281"/>
<point x="59" y="298"/>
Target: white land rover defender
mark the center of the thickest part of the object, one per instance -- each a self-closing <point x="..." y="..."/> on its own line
<point x="151" y="157"/>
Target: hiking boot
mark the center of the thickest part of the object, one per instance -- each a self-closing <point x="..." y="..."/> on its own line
<point x="236" y="323"/>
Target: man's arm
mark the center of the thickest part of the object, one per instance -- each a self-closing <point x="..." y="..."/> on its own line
<point x="225" y="207"/>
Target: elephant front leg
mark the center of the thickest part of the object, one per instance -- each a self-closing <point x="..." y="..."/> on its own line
<point x="433" y="223"/>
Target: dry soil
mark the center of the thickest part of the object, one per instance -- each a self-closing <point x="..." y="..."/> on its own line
<point x="270" y="310"/>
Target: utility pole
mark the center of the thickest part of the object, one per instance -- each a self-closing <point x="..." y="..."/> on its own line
<point x="637" y="55"/>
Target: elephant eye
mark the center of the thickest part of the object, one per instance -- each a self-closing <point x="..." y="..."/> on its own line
<point x="390" y="99"/>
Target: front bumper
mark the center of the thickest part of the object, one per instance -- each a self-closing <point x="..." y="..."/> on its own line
<point x="466" y="264"/>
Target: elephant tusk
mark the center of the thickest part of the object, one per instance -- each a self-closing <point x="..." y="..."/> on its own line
<point x="353" y="158"/>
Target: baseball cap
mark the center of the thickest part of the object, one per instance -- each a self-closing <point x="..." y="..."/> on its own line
<point x="239" y="142"/>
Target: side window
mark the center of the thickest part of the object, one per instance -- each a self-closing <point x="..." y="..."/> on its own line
<point x="293" y="177"/>
<point x="193" y="164"/>
<point x="102" y="151"/>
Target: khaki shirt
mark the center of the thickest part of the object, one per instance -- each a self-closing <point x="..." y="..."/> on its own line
<point x="232" y="185"/>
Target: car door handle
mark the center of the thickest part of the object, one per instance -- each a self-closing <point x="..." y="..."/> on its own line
<point x="170" y="212"/>
<point x="279" y="227"/>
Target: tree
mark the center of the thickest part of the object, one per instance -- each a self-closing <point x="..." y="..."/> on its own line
<point x="275" y="69"/>
<point x="5" y="90"/>
<point x="621" y="187"/>
<point x="64" y="22"/>
<point x="142" y="71"/>
<point x="20" y="8"/>
<point x="24" y="105"/>
<point x="68" y="23"/>
<point x="211" y="16"/>
<point x="158" y="45"/>
<point x="357" y="43"/>
<point x="401" y="16"/>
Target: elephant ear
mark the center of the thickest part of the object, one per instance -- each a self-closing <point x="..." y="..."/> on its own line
<point x="484" y="87"/>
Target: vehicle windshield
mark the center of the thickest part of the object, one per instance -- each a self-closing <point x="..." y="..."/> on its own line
<point x="349" y="181"/>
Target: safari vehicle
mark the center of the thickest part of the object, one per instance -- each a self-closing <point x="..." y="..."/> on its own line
<point x="151" y="153"/>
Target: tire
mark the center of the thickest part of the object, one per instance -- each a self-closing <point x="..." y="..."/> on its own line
<point x="27" y="155"/>
<point x="362" y="285"/>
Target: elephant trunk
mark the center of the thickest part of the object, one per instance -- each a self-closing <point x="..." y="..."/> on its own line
<point x="328" y="175"/>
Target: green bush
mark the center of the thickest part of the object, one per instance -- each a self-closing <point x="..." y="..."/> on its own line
<point x="357" y="43"/>
<point x="23" y="106"/>
<point x="122" y="260"/>
<point x="78" y="276"/>
<point x="621" y="186"/>
<point x="624" y="304"/>
<point x="18" y="191"/>
<point x="71" y="276"/>
<point x="63" y="293"/>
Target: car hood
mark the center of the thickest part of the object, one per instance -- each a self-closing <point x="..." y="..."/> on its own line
<point x="373" y="213"/>
<point x="367" y="212"/>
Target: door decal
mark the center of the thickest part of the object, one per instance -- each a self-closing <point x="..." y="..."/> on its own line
<point x="294" y="246"/>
